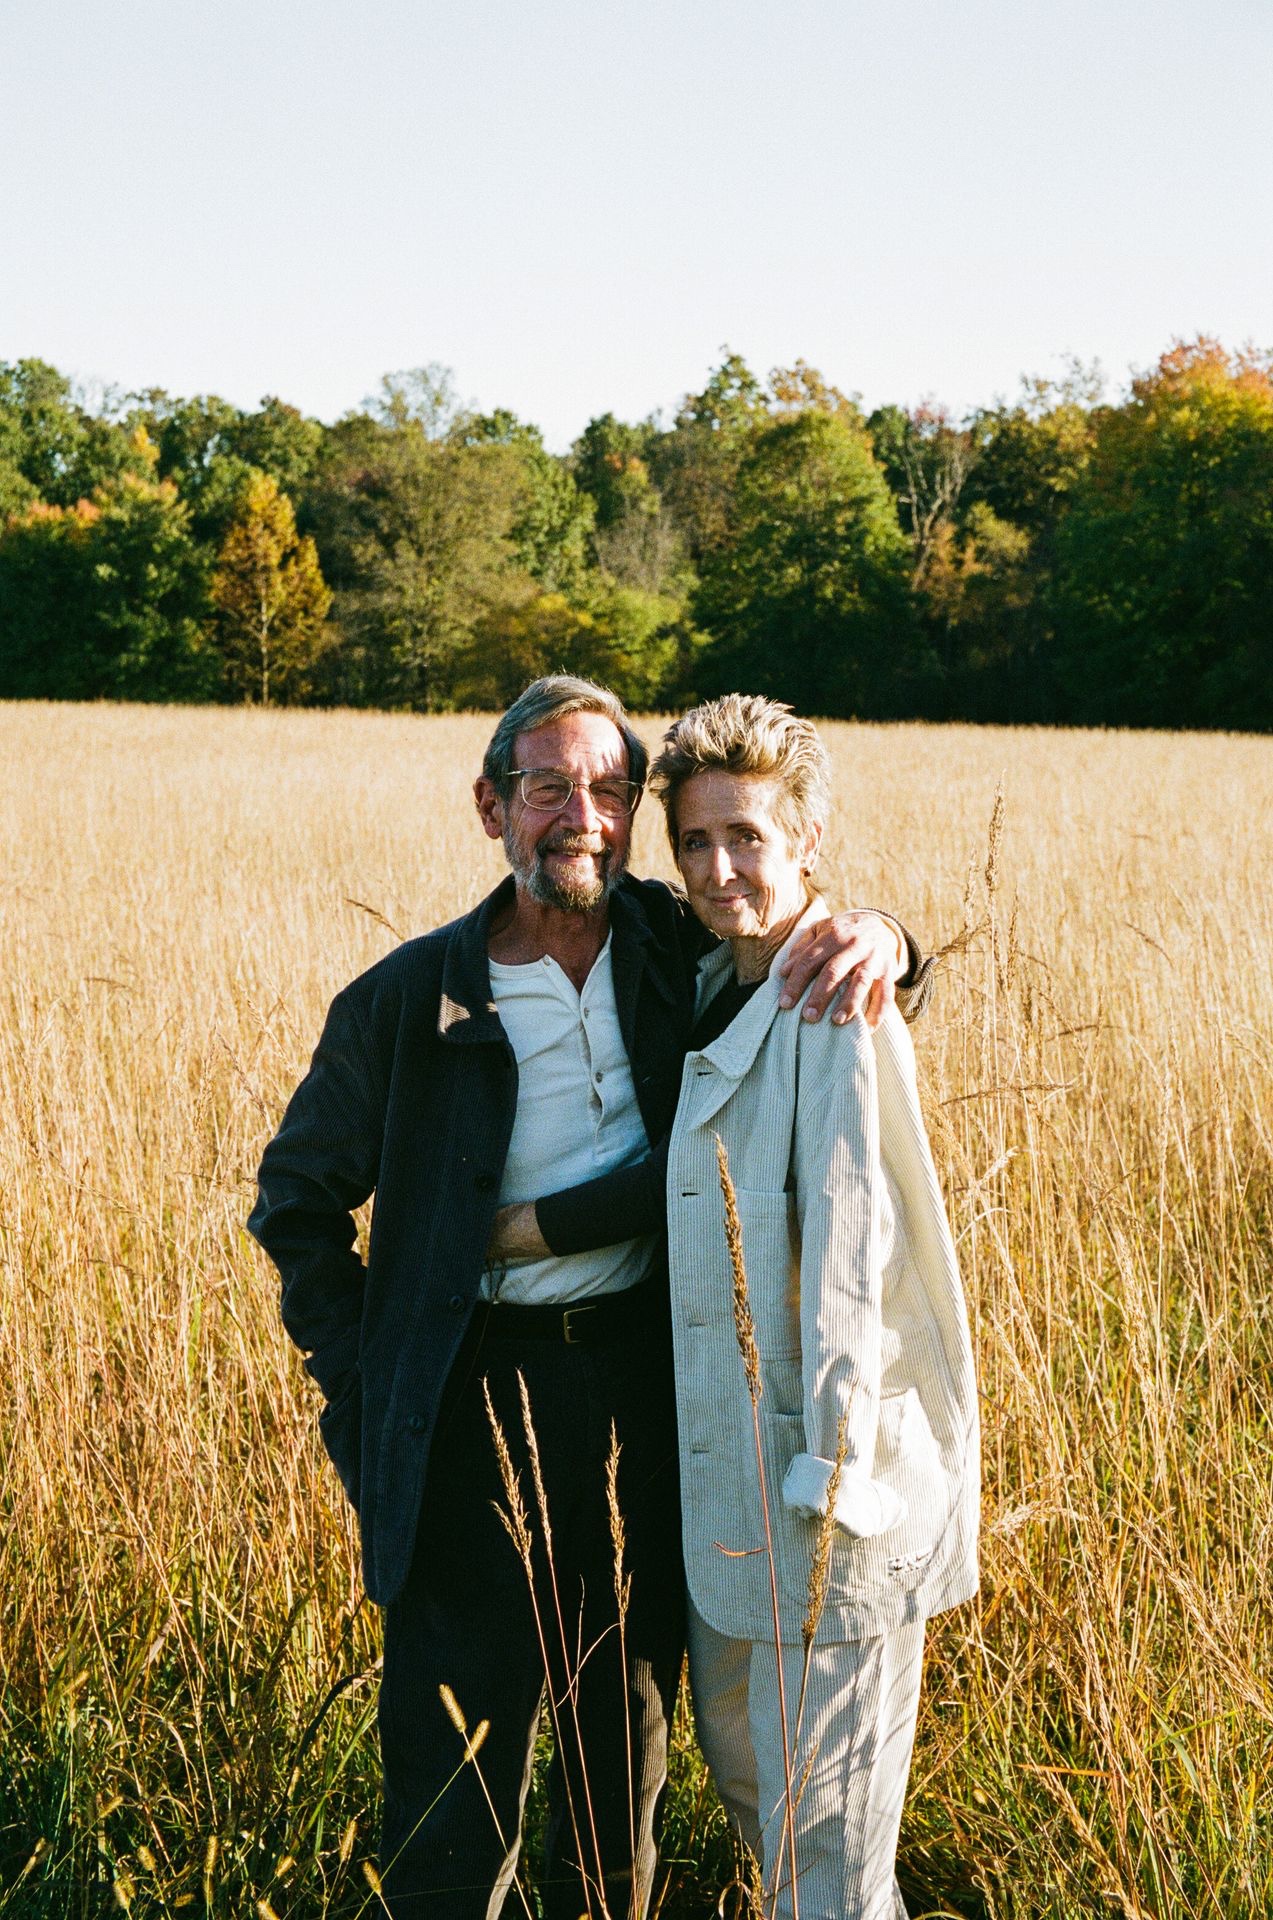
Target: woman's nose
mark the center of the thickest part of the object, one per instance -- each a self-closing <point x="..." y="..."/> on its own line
<point x="722" y="867"/>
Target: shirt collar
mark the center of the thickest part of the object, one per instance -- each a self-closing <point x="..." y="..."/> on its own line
<point x="466" y="1009"/>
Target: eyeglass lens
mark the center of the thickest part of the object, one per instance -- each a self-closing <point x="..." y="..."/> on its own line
<point x="550" y="792"/>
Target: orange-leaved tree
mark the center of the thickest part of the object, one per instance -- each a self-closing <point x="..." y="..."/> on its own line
<point x="270" y="597"/>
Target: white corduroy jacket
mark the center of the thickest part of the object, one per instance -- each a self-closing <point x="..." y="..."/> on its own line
<point x="858" y="1310"/>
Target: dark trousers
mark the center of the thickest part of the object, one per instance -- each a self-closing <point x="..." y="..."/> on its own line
<point x="465" y="1620"/>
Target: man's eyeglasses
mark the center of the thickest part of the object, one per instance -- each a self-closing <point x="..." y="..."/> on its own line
<point x="547" y="792"/>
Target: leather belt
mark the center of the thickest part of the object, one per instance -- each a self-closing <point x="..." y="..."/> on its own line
<point x="581" y="1322"/>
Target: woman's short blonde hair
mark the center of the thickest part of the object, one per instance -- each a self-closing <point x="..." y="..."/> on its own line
<point x="747" y="734"/>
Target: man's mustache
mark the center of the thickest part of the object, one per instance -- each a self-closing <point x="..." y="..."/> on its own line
<point x="572" y="843"/>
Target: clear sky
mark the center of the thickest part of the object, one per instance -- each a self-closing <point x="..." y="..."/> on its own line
<point x="576" y="203"/>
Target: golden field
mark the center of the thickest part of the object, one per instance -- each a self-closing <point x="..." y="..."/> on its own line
<point x="180" y="894"/>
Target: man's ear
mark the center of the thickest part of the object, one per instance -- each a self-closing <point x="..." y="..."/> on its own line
<point x="490" y="807"/>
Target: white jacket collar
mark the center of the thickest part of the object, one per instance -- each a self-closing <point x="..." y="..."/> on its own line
<point x="733" y="1051"/>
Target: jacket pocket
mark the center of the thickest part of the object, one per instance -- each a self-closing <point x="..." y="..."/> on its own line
<point x="771" y="1255"/>
<point x="340" y="1426"/>
<point x="904" y="1433"/>
<point x="908" y="1459"/>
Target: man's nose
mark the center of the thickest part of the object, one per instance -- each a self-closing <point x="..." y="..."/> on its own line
<point x="580" y="811"/>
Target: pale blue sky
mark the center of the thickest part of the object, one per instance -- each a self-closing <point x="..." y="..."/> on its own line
<point x="576" y="204"/>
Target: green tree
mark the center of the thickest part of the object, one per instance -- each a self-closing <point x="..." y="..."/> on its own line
<point x="55" y="448"/>
<point x="50" y="643"/>
<point x="978" y="598"/>
<point x="280" y="440"/>
<point x="210" y="448"/>
<point x="193" y="441"/>
<point x="927" y="460"/>
<point x="1031" y="455"/>
<point x="636" y="542"/>
<point x="637" y="643"/>
<point x="104" y="599"/>
<point x="696" y="466"/>
<point x="1165" y="555"/>
<point x="809" y="598"/>
<point x="643" y="644"/>
<point x="416" y="539"/>
<point x="610" y="464"/>
<point x="270" y="598"/>
<point x="551" y="526"/>
<point x="512" y="644"/>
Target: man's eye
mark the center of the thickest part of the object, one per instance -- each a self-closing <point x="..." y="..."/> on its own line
<point x="545" y="790"/>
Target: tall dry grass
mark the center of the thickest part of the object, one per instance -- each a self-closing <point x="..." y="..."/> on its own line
<point x="186" y="1669"/>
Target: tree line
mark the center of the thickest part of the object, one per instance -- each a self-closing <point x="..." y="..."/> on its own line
<point x="1053" y="558"/>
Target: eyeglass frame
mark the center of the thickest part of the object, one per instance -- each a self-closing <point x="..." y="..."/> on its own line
<point x="522" y="774"/>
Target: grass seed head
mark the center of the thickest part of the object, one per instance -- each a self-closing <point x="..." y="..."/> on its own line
<point x="453" y="1710"/>
<point x="744" y="1325"/>
<point x="618" y="1533"/>
<point x="536" y="1471"/>
<point x="514" y="1517"/>
<point x="820" y="1566"/>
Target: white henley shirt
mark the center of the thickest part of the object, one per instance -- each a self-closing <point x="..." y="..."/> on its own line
<point x="577" y="1116"/>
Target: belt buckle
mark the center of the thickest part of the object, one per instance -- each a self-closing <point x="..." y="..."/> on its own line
<point x="573" y="1313"/>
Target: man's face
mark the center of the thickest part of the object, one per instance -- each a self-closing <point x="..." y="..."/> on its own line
<point x="569" y="860"/>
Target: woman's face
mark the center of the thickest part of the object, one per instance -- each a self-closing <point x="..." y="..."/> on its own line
<point x="742" y="874"/>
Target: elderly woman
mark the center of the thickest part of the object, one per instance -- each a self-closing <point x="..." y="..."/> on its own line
<point x="867" y="1397"/>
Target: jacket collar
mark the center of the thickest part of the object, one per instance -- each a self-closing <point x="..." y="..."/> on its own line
<point x="466" y="1007"/>
<point x="733" y="1052"/>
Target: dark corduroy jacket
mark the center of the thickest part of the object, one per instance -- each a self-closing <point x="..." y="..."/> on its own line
<point x="411" y="1094"/>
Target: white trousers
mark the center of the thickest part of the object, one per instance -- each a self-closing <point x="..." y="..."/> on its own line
<point x="855" y="1737"/>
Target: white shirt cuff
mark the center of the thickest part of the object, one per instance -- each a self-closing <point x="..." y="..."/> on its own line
<point x="863" y="1507"/>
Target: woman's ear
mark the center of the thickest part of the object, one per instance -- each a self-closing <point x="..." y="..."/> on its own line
<point x="809" y="847"/>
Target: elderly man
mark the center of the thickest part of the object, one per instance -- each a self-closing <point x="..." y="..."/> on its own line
<point x="533" y="1042"/>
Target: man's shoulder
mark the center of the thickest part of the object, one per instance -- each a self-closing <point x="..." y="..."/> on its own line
<point x="412" y="970"/>
<point x="665" y="915"/>
<point x="654" y="898"/>
<point x="664" y="907"/>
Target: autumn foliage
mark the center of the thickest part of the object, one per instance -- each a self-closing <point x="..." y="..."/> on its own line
<point x="270" y="598"/>
<point x="1058" y="557"/>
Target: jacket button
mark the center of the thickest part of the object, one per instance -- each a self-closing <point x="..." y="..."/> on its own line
<point x="484" y="1182"/>
<point x="457" y="1303"/>
<point x="417" y="1423"/>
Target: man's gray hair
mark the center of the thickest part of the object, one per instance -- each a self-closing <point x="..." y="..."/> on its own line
<point x="548" y="699"/>
<point x="748" y="734"/>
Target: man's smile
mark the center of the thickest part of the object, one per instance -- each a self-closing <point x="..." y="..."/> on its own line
<point x="574" y="849"/>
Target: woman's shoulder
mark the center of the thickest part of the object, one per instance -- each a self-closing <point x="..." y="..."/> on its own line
<point x="828" y="1054"/>
<point x="853" y="1055"/>
<point x="893" y="1046"/>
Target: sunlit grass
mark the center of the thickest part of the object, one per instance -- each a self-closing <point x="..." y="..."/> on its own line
<point x="186" y="1663"/>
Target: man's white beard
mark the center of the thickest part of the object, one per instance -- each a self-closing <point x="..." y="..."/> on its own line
<point x="570" y="893"/>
